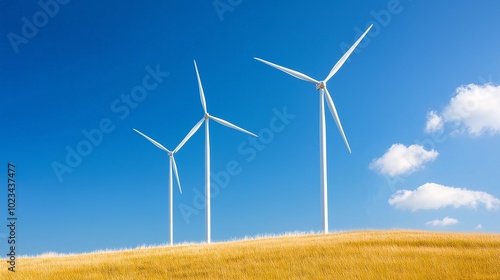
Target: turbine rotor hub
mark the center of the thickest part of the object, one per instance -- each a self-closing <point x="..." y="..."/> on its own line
<point x="321" y="85"/>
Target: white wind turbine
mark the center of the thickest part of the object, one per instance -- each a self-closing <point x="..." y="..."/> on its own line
<point x="171" y="183"/>
<point x="206" y="118"/>
<point x="321" y="86"/>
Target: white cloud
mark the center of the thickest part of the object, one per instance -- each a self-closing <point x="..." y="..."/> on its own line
<point x="434" y="122"/>
<point x="475" y="110"/>
<point x="431" y="196"/>
<point x="479" y="226"/>
<point x="446" y="221"/>
<point x="399" y="159"/>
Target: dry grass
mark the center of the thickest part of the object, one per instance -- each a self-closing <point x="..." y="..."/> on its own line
<point x="349" y="255"/>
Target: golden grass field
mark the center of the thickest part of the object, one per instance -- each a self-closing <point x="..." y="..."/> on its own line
<point x="347" y="255"/>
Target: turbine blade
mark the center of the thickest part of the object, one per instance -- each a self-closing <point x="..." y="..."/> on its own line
<point x="191" y="132"/>
<point x="176" y="174"/>
<point x="343" y="59"/>
<point x="291" y="72"/>
<point x="152" y="141"/>
<point x="333" y="110"/>
<point x="202" y="95"/>
<point x="230" y="125"/>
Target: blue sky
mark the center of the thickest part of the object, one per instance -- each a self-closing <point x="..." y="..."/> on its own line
<point x="419" y="101"/>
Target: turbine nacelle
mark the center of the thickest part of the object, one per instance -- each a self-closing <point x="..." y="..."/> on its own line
<point x="172" y="167"/>
<point x="169" y="152"/>
<point x="324" y="94"/>
<point x="321" y="85"/>
<point x="206" y="117"/>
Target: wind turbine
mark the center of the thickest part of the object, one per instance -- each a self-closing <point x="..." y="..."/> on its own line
<point x="170" y="180"/>
<point x="323" y="91"/>
<point x="206" y="118"/>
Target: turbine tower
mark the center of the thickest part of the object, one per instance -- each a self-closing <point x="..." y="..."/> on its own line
<point x="206" y="118"/>
<point x="170" y="180"/>
<point x="323" y="92"/>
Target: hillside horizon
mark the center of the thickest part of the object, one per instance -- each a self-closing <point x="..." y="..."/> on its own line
<point x="374" y="254"/>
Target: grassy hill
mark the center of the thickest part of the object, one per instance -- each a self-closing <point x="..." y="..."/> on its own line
<point x="349" y="255"/>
